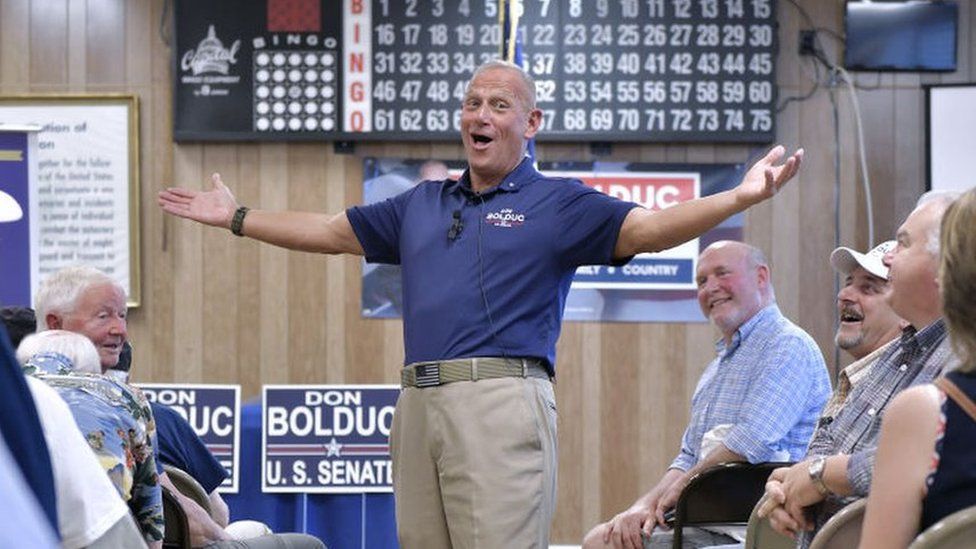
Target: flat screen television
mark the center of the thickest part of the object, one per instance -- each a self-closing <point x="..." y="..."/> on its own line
<point x="917" y="36"/>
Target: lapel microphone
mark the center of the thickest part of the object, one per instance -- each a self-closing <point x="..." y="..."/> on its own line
<point x="456" y="226"/>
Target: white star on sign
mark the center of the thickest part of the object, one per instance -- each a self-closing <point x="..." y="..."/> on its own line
<point x="333" y="448"/>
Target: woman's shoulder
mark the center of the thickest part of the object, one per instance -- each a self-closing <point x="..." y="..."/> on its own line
<point x="915" y="406"/>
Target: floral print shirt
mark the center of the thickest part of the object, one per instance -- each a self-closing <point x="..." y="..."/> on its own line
<point x="118" y="424"/>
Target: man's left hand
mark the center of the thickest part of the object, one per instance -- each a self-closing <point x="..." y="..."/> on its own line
<point x="766" y="176"/>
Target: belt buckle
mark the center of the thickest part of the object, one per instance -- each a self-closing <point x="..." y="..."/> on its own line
<point x="427" y="375"/>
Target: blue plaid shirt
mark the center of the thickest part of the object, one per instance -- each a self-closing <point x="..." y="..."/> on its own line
<point x="770" y="384"/>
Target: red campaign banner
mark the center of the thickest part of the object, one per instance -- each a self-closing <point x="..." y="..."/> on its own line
<point x="654" y="192"/>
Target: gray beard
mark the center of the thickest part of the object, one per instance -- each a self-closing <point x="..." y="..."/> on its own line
<point x="848" y="342"/>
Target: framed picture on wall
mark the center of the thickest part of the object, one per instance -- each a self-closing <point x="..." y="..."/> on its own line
<point x="82" y="192"/>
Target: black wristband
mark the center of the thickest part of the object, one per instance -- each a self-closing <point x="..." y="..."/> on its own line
<point x="237" y="224"/>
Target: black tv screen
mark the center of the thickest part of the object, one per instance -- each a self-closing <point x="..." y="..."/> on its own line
<point x="901" y="36"/>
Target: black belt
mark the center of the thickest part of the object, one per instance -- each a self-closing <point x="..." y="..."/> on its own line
<point x="433" y="374"/>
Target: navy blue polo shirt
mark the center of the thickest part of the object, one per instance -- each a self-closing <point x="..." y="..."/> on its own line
<point x="179" y="445"/>
<point x="515" y="257"/>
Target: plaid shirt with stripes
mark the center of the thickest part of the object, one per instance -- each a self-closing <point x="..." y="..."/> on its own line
<point x="917" y="358"/>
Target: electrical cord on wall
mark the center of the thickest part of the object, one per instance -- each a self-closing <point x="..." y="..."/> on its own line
<point x="835" y="76"/>
<point x="866" y="178"/>
<point x="834" y="70"/>
<point x="836" y="118"/>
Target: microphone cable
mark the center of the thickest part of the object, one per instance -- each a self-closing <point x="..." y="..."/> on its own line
<point x="481" y="283"/>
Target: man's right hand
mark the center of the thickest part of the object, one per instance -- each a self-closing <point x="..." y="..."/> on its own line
<point x="772" y="506"/>
<point x="624" y="530"/>
<point x="214" y="207"/>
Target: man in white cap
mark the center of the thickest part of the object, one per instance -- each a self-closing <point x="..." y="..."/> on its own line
<point x="866" y="323"/>
<point x="840" y="459"/>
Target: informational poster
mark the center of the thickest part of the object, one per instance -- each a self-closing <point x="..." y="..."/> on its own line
<point x="605" y="70"/>
<point x="327" y="438"/>
<point x="83" y="202"/>
<point x="214" y="412"/>
<point x="658" y="287"/>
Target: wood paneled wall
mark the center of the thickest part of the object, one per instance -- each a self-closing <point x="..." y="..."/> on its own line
<point x="224" y="310"/>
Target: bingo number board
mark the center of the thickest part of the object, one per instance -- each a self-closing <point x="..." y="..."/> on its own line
<point x="605" y="70"/>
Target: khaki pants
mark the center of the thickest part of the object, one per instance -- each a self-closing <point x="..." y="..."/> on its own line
<point x="474" y="464"/>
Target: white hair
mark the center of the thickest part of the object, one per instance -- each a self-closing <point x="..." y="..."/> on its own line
<point x="59" y="292"/>
<point x="76" y="347"/>
<point x="940" y="200"/>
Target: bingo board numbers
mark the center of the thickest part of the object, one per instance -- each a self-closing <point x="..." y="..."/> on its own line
<point x="606" y="70"/>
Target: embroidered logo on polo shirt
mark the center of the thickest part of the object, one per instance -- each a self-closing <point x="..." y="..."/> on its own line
<point x="505" y="217"/>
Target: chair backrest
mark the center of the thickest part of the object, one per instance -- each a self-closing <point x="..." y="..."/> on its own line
<point x="189" y="487"/>
<point x="177" y="533"/>
<point x="724" y="494"/>
<point x="843" y="530"/>
<point x="760" y="534"/>
<point x="954" y="531"/>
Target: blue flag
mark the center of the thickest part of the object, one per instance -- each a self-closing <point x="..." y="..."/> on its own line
<point x="509" y="13"/>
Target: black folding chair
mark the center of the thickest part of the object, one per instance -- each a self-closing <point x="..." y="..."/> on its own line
<point x="177" y="533"/>
<point x="724" y="494"/>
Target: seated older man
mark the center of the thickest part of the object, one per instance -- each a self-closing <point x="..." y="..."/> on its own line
<point x="115" y="420"/>
<point x="840" y="460"/>
<point x="757" y="401"/>
<point x="91" y="512"/>
<point x="87" y="301"/>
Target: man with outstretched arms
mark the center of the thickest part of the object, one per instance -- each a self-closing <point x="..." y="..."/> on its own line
<point x="487" y="263"/>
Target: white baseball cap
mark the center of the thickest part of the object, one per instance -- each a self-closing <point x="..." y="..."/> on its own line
<point x="844" y="260"/>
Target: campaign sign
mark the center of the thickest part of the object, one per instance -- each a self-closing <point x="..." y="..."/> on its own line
<point x="214" y="412"/>
<point x="652" y="287"/>
<point x="672" y="269"/>
<point x="327" y="438"/>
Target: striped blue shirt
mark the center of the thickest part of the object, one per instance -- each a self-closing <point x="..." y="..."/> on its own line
<point x="770" y="384"/>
